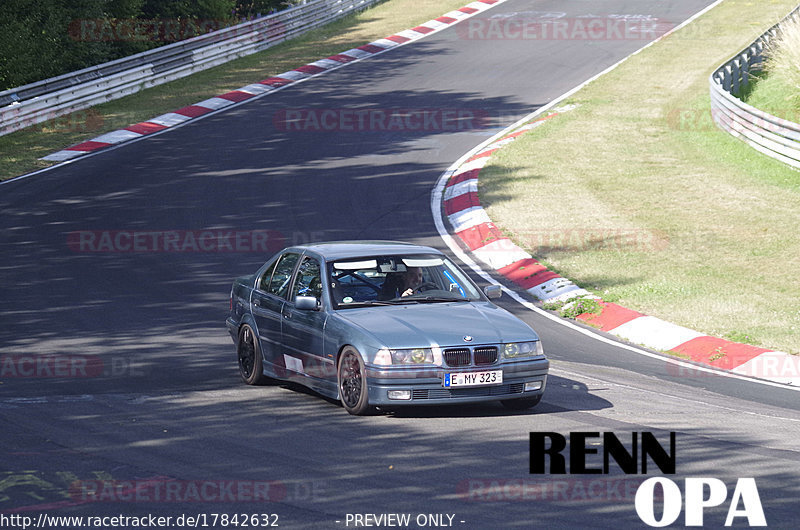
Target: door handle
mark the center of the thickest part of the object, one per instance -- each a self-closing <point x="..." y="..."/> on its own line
<point x="257" y="302"/>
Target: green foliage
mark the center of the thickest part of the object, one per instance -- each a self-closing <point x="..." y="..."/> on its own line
<point x="783" y="58"/>
<point x="776" y="89"/>
<point x="574" y="307"/>
<point x="40" y="39"/>
<point x="739" y="336"/>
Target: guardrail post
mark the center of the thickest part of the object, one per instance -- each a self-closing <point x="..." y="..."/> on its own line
<point x="768" y="134"/>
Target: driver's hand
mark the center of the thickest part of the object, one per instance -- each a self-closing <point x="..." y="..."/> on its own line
<point x="408" y="292"/>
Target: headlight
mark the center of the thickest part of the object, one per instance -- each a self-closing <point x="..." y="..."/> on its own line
<point x="409" y="356"/>
<point x="518" y="350"/>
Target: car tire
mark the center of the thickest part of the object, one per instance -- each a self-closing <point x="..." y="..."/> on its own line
<point x="248" y="352"/>
<point x="352" y="380"/>
<point x="521" y="403"/>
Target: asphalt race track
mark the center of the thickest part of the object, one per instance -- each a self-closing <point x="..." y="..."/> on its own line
<point x="159" y="423"/>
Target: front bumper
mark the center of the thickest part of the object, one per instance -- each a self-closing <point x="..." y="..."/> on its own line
<point x="425" y="385"/>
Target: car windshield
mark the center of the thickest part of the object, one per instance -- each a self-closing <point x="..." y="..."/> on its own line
<point x="391" y="280"/>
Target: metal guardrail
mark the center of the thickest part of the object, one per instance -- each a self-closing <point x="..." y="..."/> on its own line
<point x="773" y="136"/>
<point x="44" y="100"/>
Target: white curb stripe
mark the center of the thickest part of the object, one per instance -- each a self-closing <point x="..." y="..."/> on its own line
<point x="462" y="188"/>
<point x="64" y="154"/>
<point x="435" y="24"/>
<point x="556" y="289"/>
<point x="499" y="253"/>
<point x="478" y="163"/>
<point x="468" y="218"/>
<point x="214" y="103"/>
<point x="410" y="34"/>
<point x="293" y="75"/>
<point x="115" y="137"/>
<point x="775" y="366"/>
<point x="655" y="333"/>
<point x="255" y="89"/>
<point x="358" y="54"/>
<point x="385" y="43"/>
<point x="327" y="64"/>
<point x="169" y="119"/>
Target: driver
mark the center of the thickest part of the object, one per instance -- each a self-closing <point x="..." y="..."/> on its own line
<point x="399" y="284"/>
<point x="411" y="280"/>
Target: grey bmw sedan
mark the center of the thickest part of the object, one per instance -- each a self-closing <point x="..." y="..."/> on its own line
<point x="382" y="324"/>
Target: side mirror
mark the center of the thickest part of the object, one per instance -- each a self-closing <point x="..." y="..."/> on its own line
<point x="493" y="292"/>
<point x="306" y="303"/>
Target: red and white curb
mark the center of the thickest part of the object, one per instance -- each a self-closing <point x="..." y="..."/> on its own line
<point x="475" y="230"/>
<point x="185" y="114"/>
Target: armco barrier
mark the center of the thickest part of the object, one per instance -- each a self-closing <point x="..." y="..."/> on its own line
<point x="773" y="136"/>
<point x="44" y="100"/>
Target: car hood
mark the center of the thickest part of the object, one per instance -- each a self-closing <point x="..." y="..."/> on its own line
<point x="442" y="324"/>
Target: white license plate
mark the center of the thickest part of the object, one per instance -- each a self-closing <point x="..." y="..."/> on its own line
<point x="490" y="377"/>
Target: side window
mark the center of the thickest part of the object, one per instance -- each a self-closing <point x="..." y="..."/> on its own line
<point x="279" y="284"/>
<point x="308" y="281"/>
<point x="263" y="282"/>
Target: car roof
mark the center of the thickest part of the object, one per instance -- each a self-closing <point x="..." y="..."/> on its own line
<point x="333" y="250"/>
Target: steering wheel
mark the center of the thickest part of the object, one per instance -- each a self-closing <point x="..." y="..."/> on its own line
<point x="425" y="286"/>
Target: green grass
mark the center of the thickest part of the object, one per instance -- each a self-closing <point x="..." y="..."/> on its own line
<point x="777" y="89"/>
<point x="636" y="196"/>
<point x="20" y="151"/>
<point x="775" y="95"/>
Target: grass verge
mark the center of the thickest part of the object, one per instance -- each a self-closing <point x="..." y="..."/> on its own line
<point x="637" y="196"/>
<point x="777" y="89"/>
<point x="20" y="151"/>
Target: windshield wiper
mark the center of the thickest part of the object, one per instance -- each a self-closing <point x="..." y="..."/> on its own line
<point x="442" y="299"/>
<point x="366" y="303"/>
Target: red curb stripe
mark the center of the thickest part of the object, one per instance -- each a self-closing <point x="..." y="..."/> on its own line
<point x="725" y="354"/>
<point x="610" y="317"/>
<point x="310" y="69"/>
<point x="235" y="95"/>
<point x="516" y="134"/>
<point x="462" y="202"/>
<point x="489" y="2"/>
<point x="468" y="10"/>
<point x="88" y="146"/>
<point x="276" y="81"/>
<point x="370" y="48"/>
<point x="445" y="20"/>
<point x="399" y="39"/>
<point x="193" y="111"/>
<point x="480" y="235"/>
<point x="145" y="127"/>
<point x="527" y="273"/>
<point x="485" y="154"/>
<point x="472" y="174"/>
<point x="422" y="29"/>
<point x="340" y="57"/>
